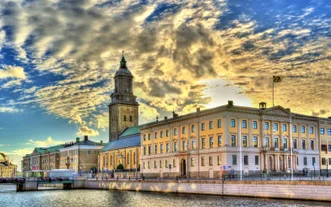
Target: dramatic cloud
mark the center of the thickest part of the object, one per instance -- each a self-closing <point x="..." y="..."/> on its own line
<point x="184" y="54"/>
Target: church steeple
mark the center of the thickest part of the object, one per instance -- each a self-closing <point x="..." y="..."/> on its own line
<point x="123" y="109"/>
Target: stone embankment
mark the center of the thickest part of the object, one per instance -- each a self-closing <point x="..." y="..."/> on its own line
<point x="305" y="190"/>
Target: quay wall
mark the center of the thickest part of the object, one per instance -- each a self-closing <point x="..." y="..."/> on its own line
<point x="304" y="190"/>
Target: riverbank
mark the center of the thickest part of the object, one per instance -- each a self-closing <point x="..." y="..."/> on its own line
<point x="302" y="190"/>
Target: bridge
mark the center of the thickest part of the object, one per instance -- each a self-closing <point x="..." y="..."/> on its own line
<point x="31" y="184"/>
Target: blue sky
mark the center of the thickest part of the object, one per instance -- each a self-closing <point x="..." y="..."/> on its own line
<point x="58" y="58"/>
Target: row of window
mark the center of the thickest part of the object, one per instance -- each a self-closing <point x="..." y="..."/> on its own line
<point x="233" y="124"/>
<point x="285" y="145"/>
<point x="325" y="147"/>
<point x="124" y="118"/>
<point x="305" y="160"/>
<point x="211" y="124"/>
<point x="128" y="158"/>
<point x="233" y="144"/>
<point x="245" y="160"/>
<point x="322" y="131"/>
<point x="159" y="164"/>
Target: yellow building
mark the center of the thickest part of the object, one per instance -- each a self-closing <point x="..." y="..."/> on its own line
<point x="7" y="169"/>
<point x="325" y="141"/>
<point x="122" y="153"/>
<point x="201" y="144"/>
<point x="244" y="139"/>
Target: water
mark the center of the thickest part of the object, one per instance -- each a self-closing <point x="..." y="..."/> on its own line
<point x="94" y="198"/>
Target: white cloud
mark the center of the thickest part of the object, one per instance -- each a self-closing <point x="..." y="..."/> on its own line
<point x="10" y="110"/>
<point x="11" y="84"/>
<point x="44" y="143"/>
<point x="9" y="71"/>
<point x="84" y="130"/>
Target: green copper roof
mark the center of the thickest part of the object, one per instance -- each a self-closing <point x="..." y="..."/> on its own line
<point x="131" y="130"/>
<point x="40" y="149"/>
<point x="55" y="148"/>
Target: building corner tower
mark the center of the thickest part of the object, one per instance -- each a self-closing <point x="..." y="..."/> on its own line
<point x="123" y="109"/>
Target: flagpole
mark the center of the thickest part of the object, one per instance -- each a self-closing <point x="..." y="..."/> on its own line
<point x="291" y="140"/>
<point x="273" y="91"/>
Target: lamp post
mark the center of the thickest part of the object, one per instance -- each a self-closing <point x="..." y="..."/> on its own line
<point x="136" y="161"/>
<point x="327" y="169"/>
<point x="142" y="162"/>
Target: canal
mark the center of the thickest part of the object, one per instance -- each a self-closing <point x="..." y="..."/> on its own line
<point x="94" y="198"/>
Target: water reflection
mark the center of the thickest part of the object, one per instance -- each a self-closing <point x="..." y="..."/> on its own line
<point x="95" y="198"/>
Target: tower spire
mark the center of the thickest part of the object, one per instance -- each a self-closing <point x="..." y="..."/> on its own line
<point x="123" y="61"/>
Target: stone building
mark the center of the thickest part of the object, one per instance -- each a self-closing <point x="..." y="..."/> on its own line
<point x="124" y="134"/>
<point x="325" y="139"/>
<point x="50" y="158"/>
<point x="81" y="156"/>
<point x="35" y="158"/>
<point x="245" y="139"/>
<point x="41" y="159"/>
<point x="26" y="164"/>
<point x="7" y="169"/>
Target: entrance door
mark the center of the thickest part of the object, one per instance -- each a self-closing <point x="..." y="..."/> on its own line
<point x="183" y="167"/>
<point x="211" y="173"/>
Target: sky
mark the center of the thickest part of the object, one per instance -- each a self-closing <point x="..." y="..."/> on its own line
<point x="58" y="59"/>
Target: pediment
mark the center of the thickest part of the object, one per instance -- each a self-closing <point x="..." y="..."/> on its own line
<point x="278" y="111"/>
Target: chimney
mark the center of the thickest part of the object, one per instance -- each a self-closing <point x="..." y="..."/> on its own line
<point x="198" y="109"/>
<point x="77" y="140"/>
<point x="165" y="118"/>
<point x="157" y="119"/>
<point x="262" y="105"/>
<point x="288" y="109"/>
<point x="101" y="142"/>
<point x="85" y="138"/>
<point x="230" y="103"/>
<point x="174" y="115"/>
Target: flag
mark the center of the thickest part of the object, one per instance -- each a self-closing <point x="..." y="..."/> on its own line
<point x="277" y="79"/>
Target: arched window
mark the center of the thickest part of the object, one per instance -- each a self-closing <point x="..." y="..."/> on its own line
<point x="124" y="118"/>
<point x="130" y="118"/>
<point x="111" y="160"/>
<point x="128" y="158"/>
<point x="134" y="157"/>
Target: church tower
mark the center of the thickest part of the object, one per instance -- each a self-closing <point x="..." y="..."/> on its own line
<point x="123" y="109"/>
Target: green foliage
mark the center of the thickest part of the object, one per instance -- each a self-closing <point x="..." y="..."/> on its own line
<point x="120" y="167"/>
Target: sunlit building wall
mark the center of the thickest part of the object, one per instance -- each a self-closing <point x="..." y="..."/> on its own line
<point x="250" y="140"/>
